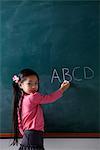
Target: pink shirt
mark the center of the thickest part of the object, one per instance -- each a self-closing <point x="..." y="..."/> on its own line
<point x="32" y="113"/>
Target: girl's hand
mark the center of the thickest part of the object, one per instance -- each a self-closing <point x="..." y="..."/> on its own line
<point x="65" y="85"/>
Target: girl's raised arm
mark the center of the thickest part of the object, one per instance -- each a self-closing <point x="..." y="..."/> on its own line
<point x="38" y="98"/>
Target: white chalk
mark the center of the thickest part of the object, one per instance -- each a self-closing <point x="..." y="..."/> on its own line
<point x="65" y="81"/>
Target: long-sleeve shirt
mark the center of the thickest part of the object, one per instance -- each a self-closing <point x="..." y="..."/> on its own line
<point x="32" y="113"/>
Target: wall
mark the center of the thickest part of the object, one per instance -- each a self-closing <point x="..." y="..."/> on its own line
<point x="61" y="144"/>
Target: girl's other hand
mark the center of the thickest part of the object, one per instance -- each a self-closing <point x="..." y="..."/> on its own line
<point x="65" y="85"/>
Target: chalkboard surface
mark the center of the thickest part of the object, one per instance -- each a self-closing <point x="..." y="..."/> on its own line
<point x="59" y="40"/>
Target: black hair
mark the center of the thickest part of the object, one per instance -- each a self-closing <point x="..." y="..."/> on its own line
<point x="17" y="95"/>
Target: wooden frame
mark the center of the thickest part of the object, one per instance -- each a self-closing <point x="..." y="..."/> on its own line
<point x="58" y="135"/>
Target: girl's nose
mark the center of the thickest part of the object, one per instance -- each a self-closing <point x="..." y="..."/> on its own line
<point x="33" y="86"/>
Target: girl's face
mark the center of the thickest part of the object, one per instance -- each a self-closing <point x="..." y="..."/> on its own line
<point x="30" y="85"/>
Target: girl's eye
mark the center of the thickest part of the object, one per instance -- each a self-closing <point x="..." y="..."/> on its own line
<point x="36" y="83"/>
<point x="29" y="83"/>
<point x="32" y="84"/>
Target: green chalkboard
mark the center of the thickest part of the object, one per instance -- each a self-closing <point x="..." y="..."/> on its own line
<point x="59" y="40"/>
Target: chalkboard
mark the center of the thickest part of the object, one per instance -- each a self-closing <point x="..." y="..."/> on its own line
<point x="59" y="40"/>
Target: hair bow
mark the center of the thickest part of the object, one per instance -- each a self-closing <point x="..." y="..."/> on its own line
<point x="15" y="79"/>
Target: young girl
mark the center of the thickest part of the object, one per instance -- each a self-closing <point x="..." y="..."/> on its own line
<point x="27" y="111"/>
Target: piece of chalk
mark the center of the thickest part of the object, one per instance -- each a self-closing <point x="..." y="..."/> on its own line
<point x="65" y="81"/>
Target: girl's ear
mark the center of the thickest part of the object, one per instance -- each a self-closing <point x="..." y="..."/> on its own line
<point x="20" y="85"/>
